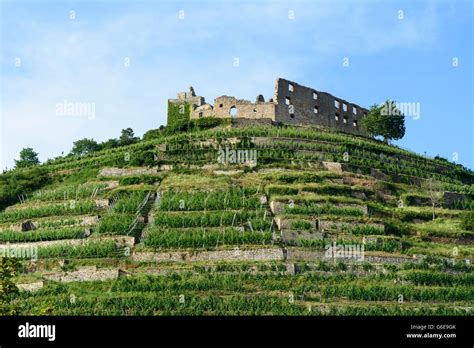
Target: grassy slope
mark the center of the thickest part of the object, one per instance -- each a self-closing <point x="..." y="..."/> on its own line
<point x="200" y="210"/>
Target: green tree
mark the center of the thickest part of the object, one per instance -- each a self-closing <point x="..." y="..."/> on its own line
<point x="127" y="137"/>
<point x="109" y="144"/>
<point x="84" y="146"/>
<point x="16" y="184"/>
<point x="8" y="289"/>
<point x="385" y="120"/>
<point x="28" y="158"/>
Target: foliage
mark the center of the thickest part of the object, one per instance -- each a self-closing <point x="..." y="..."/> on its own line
<point x="197" y="238"/>
<point x="396" y="228"/>
<point x="115" y="224"/>
<point x="127" y="137"/>
<point x="21" y="182"/>
<point x="28" y="158"/>
<point x="204" y="219"/>
<point x="178" y="115"/>
<point x="138" y="179"/>
<point x="42" y="235"/>
<point x="414" y="199"/>
<point x="281" y="190"/>
<point x="301" y="225"/>
<point x="320" y="209"/>
<point x="129" y="202"/>
<point x="467" y="221"/>
<point x="390" y="124"/>
<point x="84" y="146"/>
<point x="8" y="290"/>
<point x="202" y="200"/>
<point x="92" y="249"/>
<point x="80" y="207"/>
<point x="110" y="144"/>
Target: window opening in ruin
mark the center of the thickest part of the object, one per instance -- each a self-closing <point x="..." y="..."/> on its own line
<point x="354" y="123"/>
<point x="287" y="101"/>
<point x="315" y="96"/>
<point x="200" y="114"/>
<point x="336" y="104"/>
<point x="336" y="117"/>
<point x="221" y="105"/>
<point x="354" y="110"/>
<point x="292" y="115"/>
<point x="290" y="87"/>
<point x="233" y="111"/>
<point x="345" y="119"/>
<point x="344" y="107"/>
<point x="315" y="109"/>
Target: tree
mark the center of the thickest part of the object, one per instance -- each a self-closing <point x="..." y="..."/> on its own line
<point x="8" y="289"/>
<point x="432" y="189"/>
<point x="84" y="146"/>
<point x="110" y="144"/>
<point x="385" y="120"/>
<point x="127" y="137"/>
<point x="28" y="158"/>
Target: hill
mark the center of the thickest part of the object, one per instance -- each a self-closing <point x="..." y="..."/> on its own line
<point x="247" y="221"/>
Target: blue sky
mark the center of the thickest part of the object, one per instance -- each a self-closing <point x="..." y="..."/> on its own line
<point x="403" y="50"/>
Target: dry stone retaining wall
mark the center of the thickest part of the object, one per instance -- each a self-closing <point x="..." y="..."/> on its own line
<point x="266" y="254"/>
<point x="88" y="273"/>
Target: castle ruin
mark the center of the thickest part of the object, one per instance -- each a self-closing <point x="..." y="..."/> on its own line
<point x="292" y="104"/>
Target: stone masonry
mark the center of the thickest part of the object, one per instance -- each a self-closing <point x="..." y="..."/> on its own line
<point x="292" y="104"/>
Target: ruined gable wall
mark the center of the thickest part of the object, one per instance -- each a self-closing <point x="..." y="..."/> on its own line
<point x="303" y="101"/>
<point x="245" y="109"/>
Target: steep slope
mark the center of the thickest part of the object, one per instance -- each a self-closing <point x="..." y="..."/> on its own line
<point x="255" y="220"/>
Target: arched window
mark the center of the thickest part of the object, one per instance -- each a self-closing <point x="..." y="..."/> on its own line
<point x="233" y="111"/>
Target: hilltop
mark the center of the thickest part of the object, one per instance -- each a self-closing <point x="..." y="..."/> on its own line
<point x="215" y="219"/>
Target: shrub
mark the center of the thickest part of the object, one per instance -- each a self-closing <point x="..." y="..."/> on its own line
<point x="93" y="249"/>
<point x="115" y="224"/>
<point x="301" y="225"/>
<point x="396" y="228"/>
<point x="41" y="235"/>
<point x="415" y="199"/>
<point x="467" y="221"/>
<point x="20" y="181"/>
<point x="281" y="190"/>
<point x="134" y="180"/>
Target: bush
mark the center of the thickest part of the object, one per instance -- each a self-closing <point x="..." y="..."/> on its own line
<point x="18" y="182"/>
<point x="152" y="134"/>
<point x="467" y="221"/>
<point x="135" y="180"/>
<point x="143" y="158"/>
<point x="415" y="199"/>
<point x="396" y="228"/>
<point x="281" y="190"/>
<point x="301" y="225"/>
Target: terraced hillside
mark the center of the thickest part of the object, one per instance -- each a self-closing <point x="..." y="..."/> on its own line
<point x="319" y="223"/>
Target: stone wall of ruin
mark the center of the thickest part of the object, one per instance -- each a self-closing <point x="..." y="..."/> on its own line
<point x="292" y="104"/>
<point x="244" y="109"/>
<point x="300" y="105"/>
